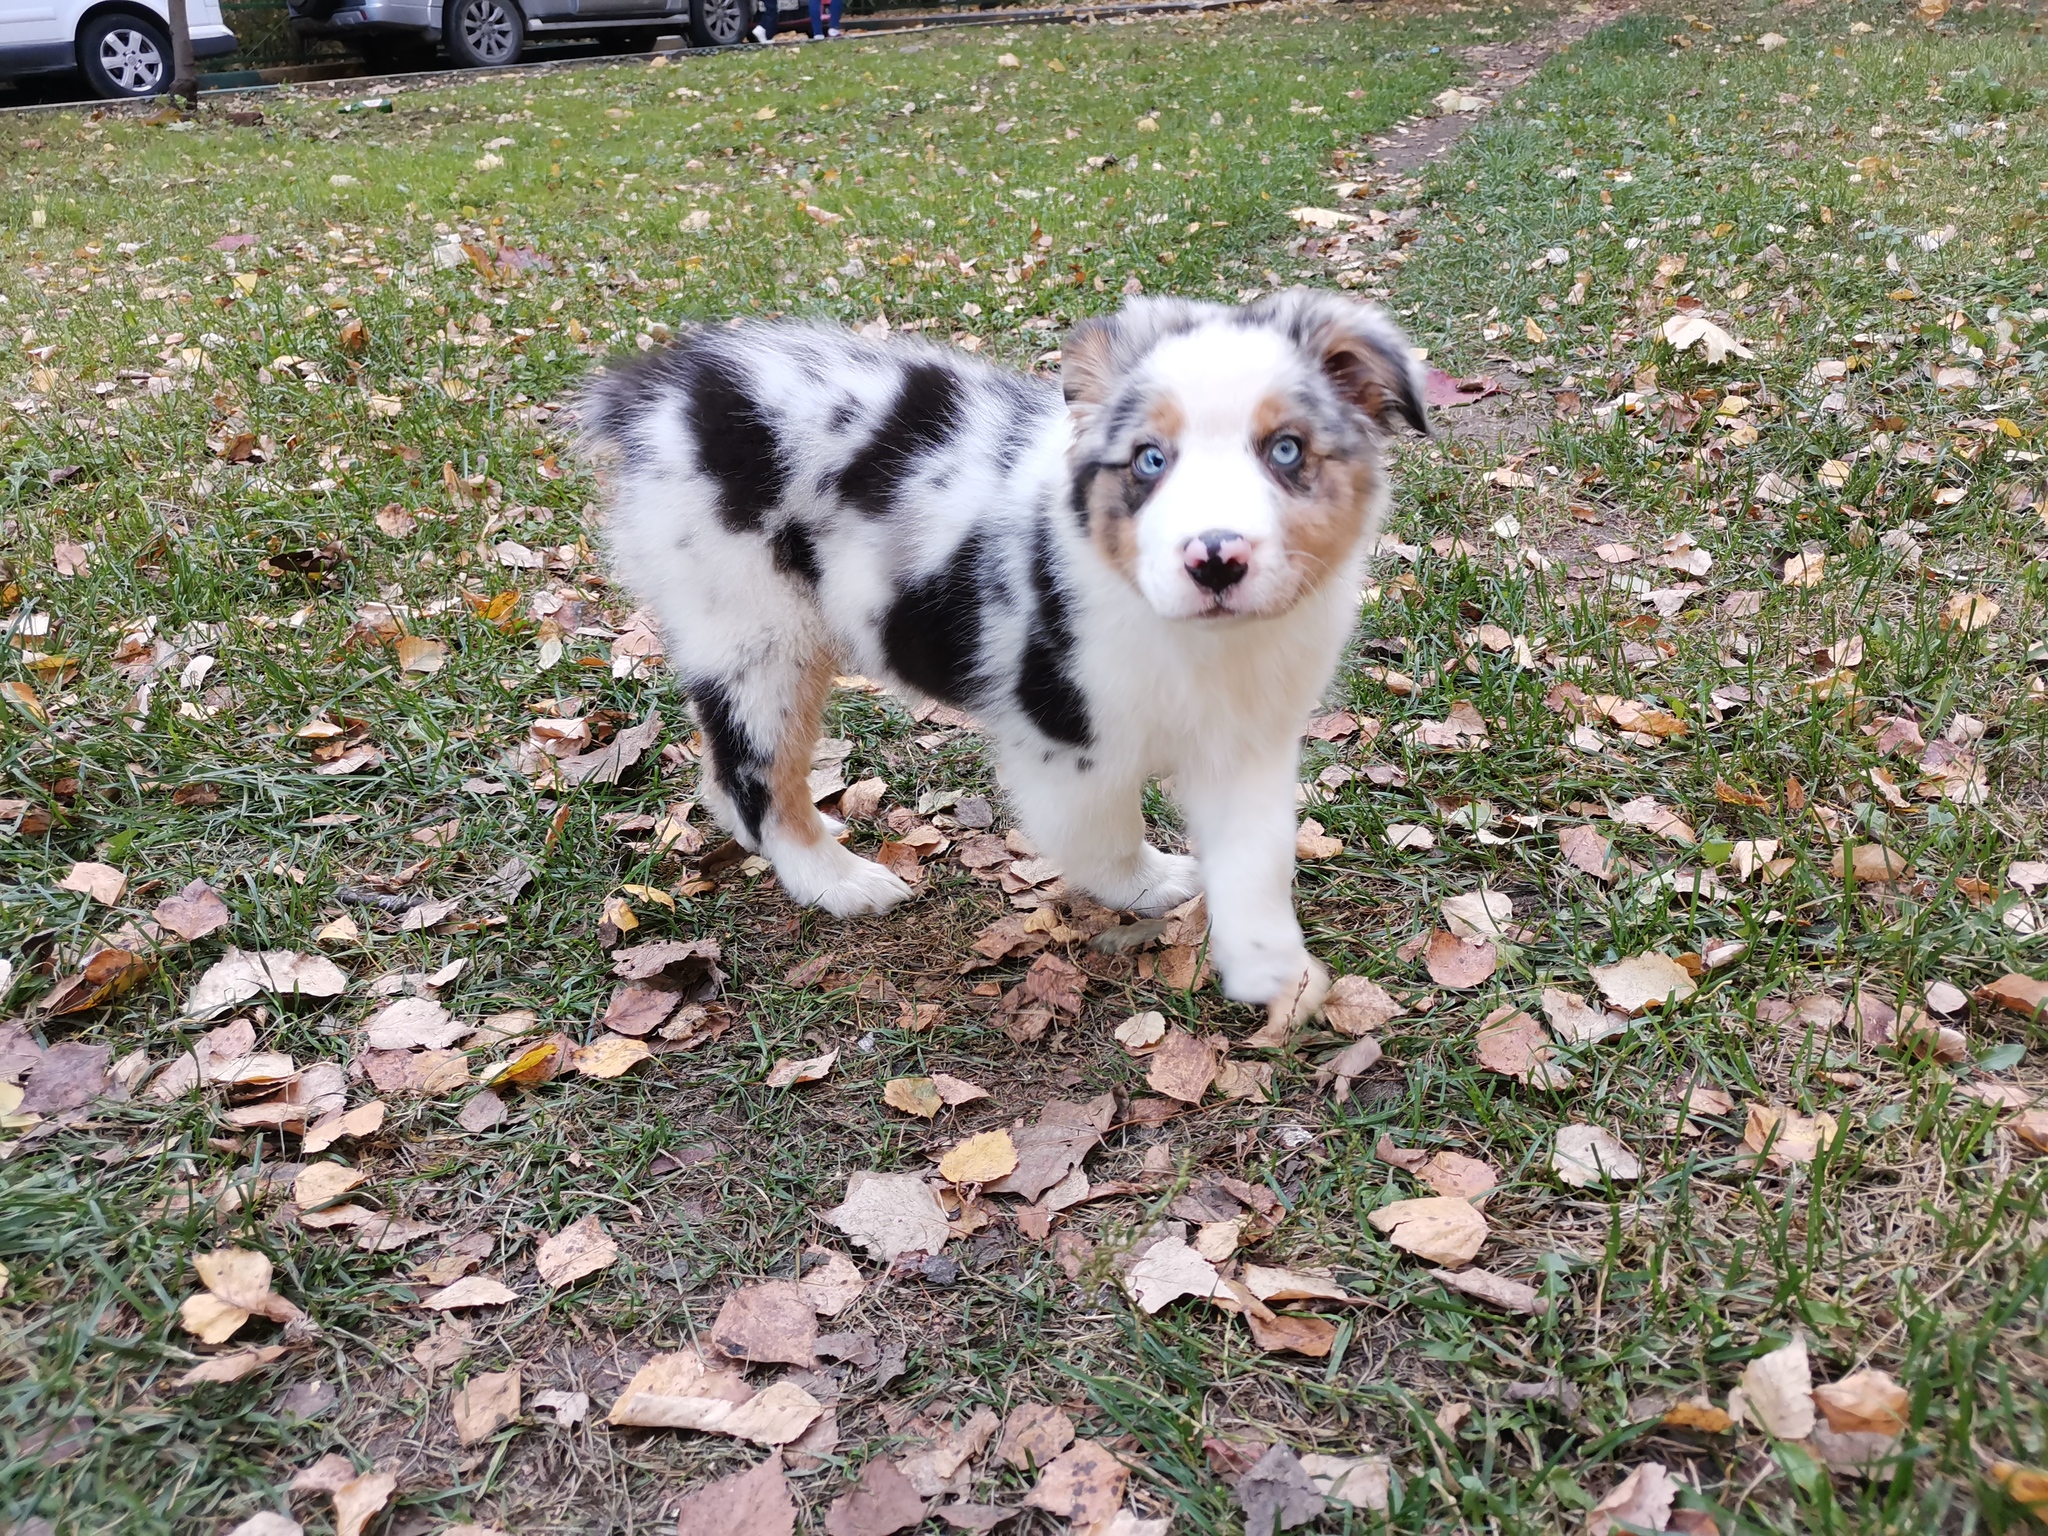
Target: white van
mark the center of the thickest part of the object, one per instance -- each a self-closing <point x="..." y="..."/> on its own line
<point x="122" y="47"/>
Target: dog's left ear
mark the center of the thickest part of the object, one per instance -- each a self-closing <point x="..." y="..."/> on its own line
<point x="1361" y="350"/>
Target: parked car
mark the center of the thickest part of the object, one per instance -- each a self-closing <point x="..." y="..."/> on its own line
<point x="484" y="34"/>
<point x="122" y="47"/>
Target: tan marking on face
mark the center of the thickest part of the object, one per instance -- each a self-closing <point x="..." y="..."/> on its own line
<point x="789" y="787"/>
<point x="1322" y="521"/>
<point x="1269" y="416"/>
<point x="1111" y="528"/>
<point x="1164" y="422"/>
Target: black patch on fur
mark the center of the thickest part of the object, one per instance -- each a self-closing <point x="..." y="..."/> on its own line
<point x="735" y="445"/>
<point x="795" y="552"/>
<point x="741" y="768"/>
<point x="1044" y="688"/>
<point x="843" y="416"/>
<point x="932" y="631"/>
<point x="925" y="415"/>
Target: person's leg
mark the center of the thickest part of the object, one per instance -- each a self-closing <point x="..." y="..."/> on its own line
<point x="832" y="26"/>
<point x="764" y="21"/>
<point x="817" y="21"/>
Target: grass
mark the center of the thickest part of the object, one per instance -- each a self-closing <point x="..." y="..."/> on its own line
<point x="133" y="342"/>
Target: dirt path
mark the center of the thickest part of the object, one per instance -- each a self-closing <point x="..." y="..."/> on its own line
<point x="1500" y="68"/>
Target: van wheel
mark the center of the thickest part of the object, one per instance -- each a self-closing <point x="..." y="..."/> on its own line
<point x="484" y="34"/>
<point x="123" y="55"/>
<point x="720" y="23"/>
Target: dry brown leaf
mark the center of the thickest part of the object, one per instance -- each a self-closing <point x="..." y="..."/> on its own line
<point x="102" y="882"/>
<point x="358" y="1501"/>
<point x="194" y="912"/>
<point x="913" y="1095"/>
<point x="321" y="1184"/>
<point x="1084" y="1484"/>
<point x="1168" y="1270"/>
<point x="1789" y="1136"/>
<point x="980" y="1159"/>
<point x="1646" y="812"/>
<point x="770" y="1322"/>
<point x="243" y="974"/>
<point x="831" y="1286"/>
<point x="364" y="1120"/>
<point x="2014" y="992"/>
<point x="232" y="1367"/>
<point x="1641" y="982"/>
<point x="1586" y="850"/>
<point x="486" y="1404"/>
<point x="581" y="1248"/>
<point x="1480" y="915"/>
<point x="756" y="1502"/>
<point x="882" y="1502"/>
<point x="412" y="1023"/>
<point x="1697" y="1413"/>
<point x="240" y="1277"/>
<point x="889" y="1214"/>
<point x="787" y="1072"/>
<point x="210" y="1319"/>
<point x="1364" y="1482"/>
<point x="531" y="1065"/>
<point x="1356" y="1006"/>
<point x="955" y="1091"/>
<point x="1183" y="1066"/>
<point x="1871" y="863"/>
<point x="471" y="1291"/>
<point x="1512" y="1043"/>
<point x="1640" y="1501"/>
<point x="1968" y="611"/>
<point x="1576" y="1023"/>
<point x="1459" y="964"/>
<point x="1439" y="1228"/>
<point x="1285" y="1333"/>
<point x="1033" y="1435"/>
<point x="1494" y="1290"/>
<point x="610" y="1056"/>
<point x="1777" y="1392"/>
<point x="1585" y="1157"/>
<point x="938" y="1469"/>
<point x="1141" y="1032"/>
<point x="1864" y="1402"/>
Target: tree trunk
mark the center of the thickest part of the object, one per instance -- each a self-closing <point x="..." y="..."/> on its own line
<point x="184" y="73"/>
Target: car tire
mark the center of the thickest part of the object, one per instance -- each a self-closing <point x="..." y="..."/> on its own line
<point x="123" y="56"/>
<point x="721" y="23"/>
<point x="484" y="34"/>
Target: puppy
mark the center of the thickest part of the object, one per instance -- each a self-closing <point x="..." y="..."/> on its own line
<point x="1154" y="575"/>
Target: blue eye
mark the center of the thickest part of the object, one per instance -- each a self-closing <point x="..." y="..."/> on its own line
<point x="1285" y="452"/>
<point x="1149" y="462"/>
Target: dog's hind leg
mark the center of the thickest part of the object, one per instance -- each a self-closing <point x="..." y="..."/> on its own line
<point x="761" y="727"/>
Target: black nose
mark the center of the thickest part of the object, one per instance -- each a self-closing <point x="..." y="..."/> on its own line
<point x="1217" y="559"/>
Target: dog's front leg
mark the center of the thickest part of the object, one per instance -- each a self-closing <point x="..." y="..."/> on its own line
<point x="1242" y="817"/>
<point x="1091" y="823"/>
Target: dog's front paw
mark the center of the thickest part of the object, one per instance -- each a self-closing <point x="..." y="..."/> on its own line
<point x="1291" y="989"/>
<point x="1169" y="880"/>
<point x="841" y="882"/>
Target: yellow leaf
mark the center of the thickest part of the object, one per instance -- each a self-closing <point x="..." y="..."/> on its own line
<point x="1534" y="331"/>
<point x="650" y="893"/>
<point x="913" y="1095"/>
<point x="980" y="1159"/>
<point x="610" y="1056"/>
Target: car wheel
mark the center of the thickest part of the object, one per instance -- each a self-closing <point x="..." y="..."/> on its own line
<point x="484" y="34"/>
<point x="123" y="55"/>
<point x="720" y="23"/>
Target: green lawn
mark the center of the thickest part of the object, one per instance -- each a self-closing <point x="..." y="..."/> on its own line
<point x="282" y="395"/>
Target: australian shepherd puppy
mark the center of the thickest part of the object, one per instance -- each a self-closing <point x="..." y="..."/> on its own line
<point x="1151" y="570"/>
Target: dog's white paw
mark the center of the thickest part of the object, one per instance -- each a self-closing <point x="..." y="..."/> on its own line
<point x="1290" y="985"/>
<point x="1169" y="880"/>
<point x="859" y="887"/>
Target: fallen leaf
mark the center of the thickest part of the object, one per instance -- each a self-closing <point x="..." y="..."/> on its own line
<point x="1697" y="1413"/>
<point x="890" y="1214"/>
<point x="486" y="1404"/>
<point x="1777" y="1392"/>
<point x="1311" y="842"/>
<point x="1459" y="964"/>
<point x="1575" y="1023"/>
<point x="358" y="1501"/>
<point x="1642" y="982"/>
<point x="1695" y="329"/>
<point x="1871" y="863"/>
<point x="1439" y="1228"/>
<point x="610" y="1056"/>
<point x="1356" y="1006"/>
<point x="1807" y="568"/>
<point x="1640" y="1501"/>
<point x="1084" y="1484"/>
<point x="1167" y="1270"/>
<point x="194" y="912"/>
<point x="787" y="1073"/>
<point x="1648" y="812"/>
<point x="1276" y="1493"/>
<point x="955" y="1091"/>
<point x="1864" y="1402"/>
<point x="321" y="1184"/>
<point x="756" y="1502"/>
<point x="419" y="655"/>
<point x="412" y="1023"/>
<point x="242" y="974"/>
<point x="1512" y="1043"/>
<point x="1141" y="1032"/>
<point x="471" y="1291"/>
<point x="232" y="1367"/>
<point x="1585" y="1156"/>
<point x="581" y="1248"/>
<point x="882" y="1502"/>
<point x="980" y="1159"/>
<point x="210" y="1319"/>
<point x="913" y="1095"/>
<point x="832" y="1286"/>
<point x="1053" y="1148"/>
<point x="1494" y="1290"/>
<point x="1364" y="1482"/>
<point x="1183" y="1066"/>
<point x="1790" y="1136"/>
<point x="1033" y="1435"/>
<point x="240" y="1277"/>
<point x="569" y="1408"/>
<point x="1280" y="1333"/>
<point x="770" y="1322"/>
<point x="1478" y="915"/>
<point x="2014" y="992"/>
<point x="1968" y="611"/>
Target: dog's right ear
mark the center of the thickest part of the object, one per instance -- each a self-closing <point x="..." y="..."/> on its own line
<point x="1090" y="360"/>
